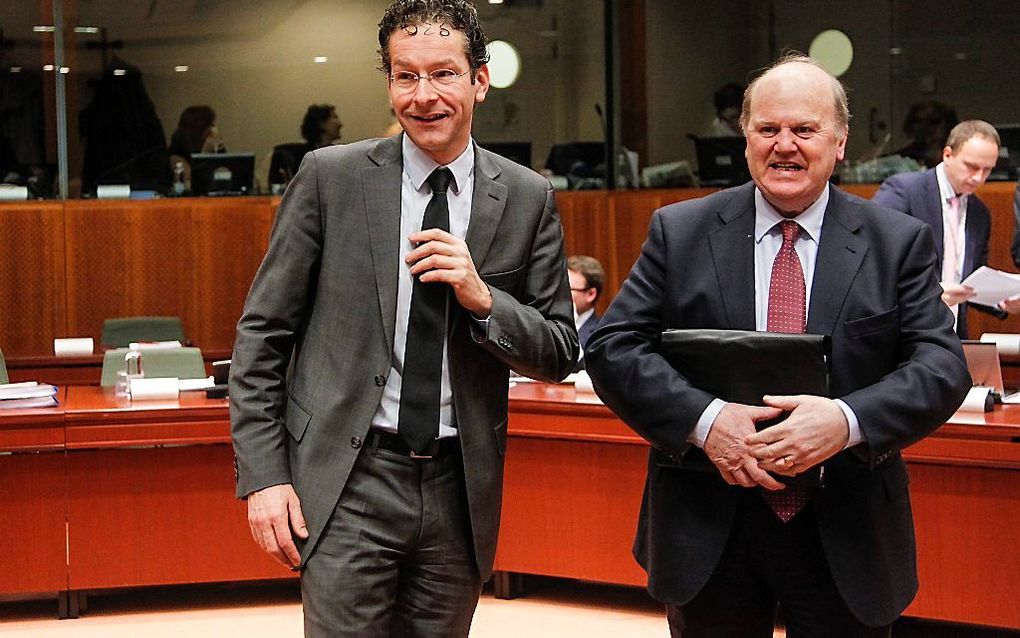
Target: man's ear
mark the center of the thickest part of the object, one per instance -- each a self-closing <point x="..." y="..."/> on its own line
<point x="481" y="83"/>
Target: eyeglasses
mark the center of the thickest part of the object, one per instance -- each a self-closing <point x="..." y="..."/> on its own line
<point x="439" y="79"/>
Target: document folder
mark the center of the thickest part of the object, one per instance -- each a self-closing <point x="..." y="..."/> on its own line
<point x="741" y="366"/>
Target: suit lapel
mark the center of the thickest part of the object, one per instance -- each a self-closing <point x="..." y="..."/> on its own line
<point x="734" y="269"/>
<point x="382" y="188"/>
<point x="840" y="254"/>
<point x="933" y="203"/>
<point x="487" y="205"/>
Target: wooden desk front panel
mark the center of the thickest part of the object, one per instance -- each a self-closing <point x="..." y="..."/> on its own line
<point x="32" y="289"/>
<point x="33" y="500"/>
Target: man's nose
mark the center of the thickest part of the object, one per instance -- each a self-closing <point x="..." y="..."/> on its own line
<point x="786" y="141"/>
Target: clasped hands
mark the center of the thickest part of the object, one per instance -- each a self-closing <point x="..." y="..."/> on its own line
<point x="815" y="430"/>
<point x="439" y="256"/>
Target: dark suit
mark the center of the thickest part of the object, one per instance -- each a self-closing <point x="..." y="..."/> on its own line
<point x="895" y="362"/>
<point x="1014" y="249"/>
<point x="315" y="342"/>
<point x="917" y="194"/>
<point x="587" y="328"/>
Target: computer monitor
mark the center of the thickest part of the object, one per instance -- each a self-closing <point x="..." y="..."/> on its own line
<point x="519" y="152"/>
<point x="1006" y="169"/>
<point x="721" y="160"/>
<point x="222" y="173"/>
<point x="581" y="159"/>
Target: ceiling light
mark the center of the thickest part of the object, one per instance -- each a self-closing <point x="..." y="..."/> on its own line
<point x="495" y="1"/>
<point x="119" y="72"/>
<point x="181" y="68"/>
<point x="65" y="70"/>
<point x="15" y="69"/>
<point x="47" y="67"/>
<point x="43" y="28"/>
<point x="504" y="64"/>
<point x="320" y="59"/>
<point x="86" y="29"/>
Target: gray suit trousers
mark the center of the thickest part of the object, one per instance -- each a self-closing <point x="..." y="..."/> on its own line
<point x="396" y="557"/>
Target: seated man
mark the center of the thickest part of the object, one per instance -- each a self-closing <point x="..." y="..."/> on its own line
<point x="586" y="280"/>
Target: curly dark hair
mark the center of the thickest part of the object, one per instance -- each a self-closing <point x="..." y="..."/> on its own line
<point x="460" y="15"/>
<point x="311" y="125"/>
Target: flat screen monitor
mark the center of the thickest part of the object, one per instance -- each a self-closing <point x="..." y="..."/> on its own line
<point x="222" y="173"/>
<point x="581" y="159"/>
<point x="721" y="160"/>
<point x="1006" y="169"/>
<point x="519" y="152"/>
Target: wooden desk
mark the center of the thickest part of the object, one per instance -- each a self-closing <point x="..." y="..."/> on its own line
<point x="72" y="371"/>
<point x="33" y="500"/>
<point x="574" y="476"/>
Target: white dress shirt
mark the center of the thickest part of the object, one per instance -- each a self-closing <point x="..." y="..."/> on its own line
<point x="768" y="239"/>
<point x="415" y="194"/>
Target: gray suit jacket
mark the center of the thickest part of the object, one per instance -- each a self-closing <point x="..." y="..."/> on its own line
<point x="315" y="341"/>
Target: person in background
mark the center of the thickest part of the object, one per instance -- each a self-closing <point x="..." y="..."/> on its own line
<point x="404" y="278"/>
<point x="320" y="127"/>
<point x="1014" y="250"/>
<point x="196" y="133"/>
<point x="926" y="125"/>
<point x="587" y="277"/>
<point x="943" y="197"/>
<point x="727" y="548"/>
<point x="727" y="100"/>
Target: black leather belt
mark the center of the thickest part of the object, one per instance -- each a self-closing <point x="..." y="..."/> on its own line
<point x="392" y="442"/>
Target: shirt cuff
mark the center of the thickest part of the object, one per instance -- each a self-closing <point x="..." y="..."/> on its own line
<point x="704" y="424"/>
<point x="854" y="425"/>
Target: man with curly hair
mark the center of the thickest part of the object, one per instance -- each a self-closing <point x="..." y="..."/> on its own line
<point x="404" y="278"/>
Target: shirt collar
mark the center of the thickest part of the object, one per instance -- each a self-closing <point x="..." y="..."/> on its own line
<point x="946" y="191"/>
<point x="766" y="216"/>
<point x="418" y="166"/>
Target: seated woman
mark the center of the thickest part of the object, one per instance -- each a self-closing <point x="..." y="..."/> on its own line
<point x="320" y="127"/>
<point x="196" y="133"/>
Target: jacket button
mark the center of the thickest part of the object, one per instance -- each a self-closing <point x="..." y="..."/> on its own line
<point x="355" y="442"/>
<point x="380" y="380"/>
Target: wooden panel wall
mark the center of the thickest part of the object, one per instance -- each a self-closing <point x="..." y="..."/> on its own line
<point x="65" y="267"/>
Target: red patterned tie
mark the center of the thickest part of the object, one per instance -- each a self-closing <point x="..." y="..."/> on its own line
<point x="787" y="313"/>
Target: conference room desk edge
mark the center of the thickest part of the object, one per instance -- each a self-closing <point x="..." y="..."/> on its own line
<point x="145" y="496"/>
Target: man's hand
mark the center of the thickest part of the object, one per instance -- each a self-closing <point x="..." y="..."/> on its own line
<point x="439" y="256"/>
<point x="272" y="514"/>
<point x="953" y="294"/>
<point x="815" y="430"/>
<point x="1010" y="305"/>
<point x="726" y="447"/>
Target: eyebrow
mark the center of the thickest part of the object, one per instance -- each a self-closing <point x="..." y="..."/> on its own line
<point x="442" y="64"/>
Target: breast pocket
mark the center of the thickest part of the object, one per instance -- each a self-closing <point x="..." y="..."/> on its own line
<point x="881" y="322"/>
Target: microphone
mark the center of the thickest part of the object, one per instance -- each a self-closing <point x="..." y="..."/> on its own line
<point x="602" y="120"/>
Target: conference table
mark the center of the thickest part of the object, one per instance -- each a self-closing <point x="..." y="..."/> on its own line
<point x="101" y="493"/>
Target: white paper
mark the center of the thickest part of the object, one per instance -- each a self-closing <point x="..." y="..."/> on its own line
<point x="1004" y="343"/>
<point x="975" y="400"/>
<point x="73" y="347"/>
<point x="582" y="382"/>
<point x="150" y="389"/>
<point x="992" y="286"/>
<point x="154" y="345"/>
<point x="13" y="193"/>
<point x="188" y="385"/>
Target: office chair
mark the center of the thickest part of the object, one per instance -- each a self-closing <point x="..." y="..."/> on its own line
<point x="3" y="369"/>
<point x="183" y="363"/>
<point x="121" y="331"/>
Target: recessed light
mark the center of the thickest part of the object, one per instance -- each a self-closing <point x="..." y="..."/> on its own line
<point x="320" y="59"/>
<point x="86" y="29"/>
<point x="119" y="72"/>
<point x="43" y="28"/>
<point x="65" y="70"/>
<point x="47" y="67"/>
<point x="15" y="69"/>
<point x="495" y="1"/>
<point x="181" y="68"/>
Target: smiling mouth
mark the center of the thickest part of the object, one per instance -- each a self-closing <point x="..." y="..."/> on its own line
<point x="428" y="119"/>
<point x="786" y="167"/>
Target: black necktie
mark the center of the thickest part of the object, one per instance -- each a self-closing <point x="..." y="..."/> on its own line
<point x="421" y="383"/>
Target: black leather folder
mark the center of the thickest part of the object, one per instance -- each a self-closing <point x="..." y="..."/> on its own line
<point x="741" y="366"/>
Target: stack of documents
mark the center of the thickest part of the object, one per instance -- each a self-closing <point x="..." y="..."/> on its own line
<point x="992" y="286"/>
<point x="29" y="394"/>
